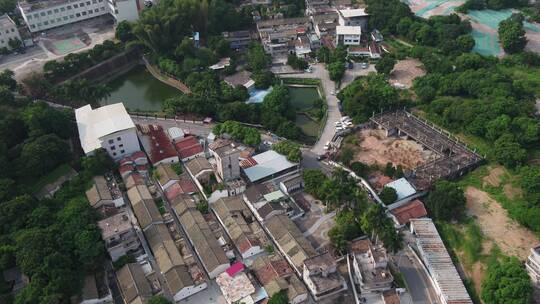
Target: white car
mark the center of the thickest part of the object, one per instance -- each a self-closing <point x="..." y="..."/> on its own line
<point x="338" y="123"/>
<point x="327" y="145"/>
<point x="340" y="128"/>
<point x="333" y="93"/>
<point x="345" y="118"/>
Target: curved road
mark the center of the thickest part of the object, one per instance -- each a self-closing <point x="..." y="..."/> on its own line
<point x="319" y="72"/>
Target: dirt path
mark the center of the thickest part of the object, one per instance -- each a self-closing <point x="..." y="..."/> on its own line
<point x="511" y="237"/>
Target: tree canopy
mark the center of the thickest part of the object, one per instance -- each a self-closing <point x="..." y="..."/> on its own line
<point x="290" y="149"/>
<point x="249" y="136"/>
<point x="506" y="281"/>
<point x="512" y="34"/>
<point x="388" y="195"/>
<point x="446" y="201"/>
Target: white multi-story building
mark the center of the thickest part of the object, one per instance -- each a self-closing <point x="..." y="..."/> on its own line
<point x="46" y="14"/>
<point x="109" y="127"/>
<point x="533" y="265"/>
<point x="8" y="31"/>
<point x="348" y="35"/>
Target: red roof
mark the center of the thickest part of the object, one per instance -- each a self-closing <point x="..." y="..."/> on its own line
<point x="125" y="168"/>
<point x="138" y="154"/>
<point x="126" y="160"/>
<point x="183" y="186"/>
<point x="411" y="210"/>
<point x="143" y="168"/>
<point x="273" y="270"/>
<point x="157" y="144"/>
<point x="235" y="268"/>
<point x="188" y="147"/>
<point x="248" y="162"/>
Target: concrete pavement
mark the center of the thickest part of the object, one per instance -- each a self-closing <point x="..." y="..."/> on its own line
<point x="194" y="128"/>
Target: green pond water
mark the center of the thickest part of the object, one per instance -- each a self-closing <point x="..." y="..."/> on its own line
<point x="302" y="98"/>
<point x="137" y="89"/>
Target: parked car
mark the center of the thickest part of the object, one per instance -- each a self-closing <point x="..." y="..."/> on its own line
<point x="321" y="157"/>
<point x="364" y="65"/>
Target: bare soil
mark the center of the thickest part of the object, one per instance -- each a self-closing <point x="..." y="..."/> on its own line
<point x="494" y="222"/>
<point x="494" y="177"/>
<point x="375" y="148"/>
<point x="405" y="71"/>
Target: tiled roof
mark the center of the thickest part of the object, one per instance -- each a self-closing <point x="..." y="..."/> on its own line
<point x="156" y="143"/>
<point x="188" y="147"/>
<point x="411" y="210"/>
<point x="133" y="283"/>
<point x="183" y="186"/>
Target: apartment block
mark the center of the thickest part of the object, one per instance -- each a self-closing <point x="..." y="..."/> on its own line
<point x="119" y="235"/>
<point x="8" y="31"/>
<point x="44" y="15"/>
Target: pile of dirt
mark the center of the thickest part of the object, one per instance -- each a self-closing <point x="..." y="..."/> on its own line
<point x="376" y="148"/>
<point x="405" y="71"/>
<point x="494" y="177"/>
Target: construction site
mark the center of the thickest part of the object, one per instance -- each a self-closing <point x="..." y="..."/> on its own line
<point x="454" y="157"/>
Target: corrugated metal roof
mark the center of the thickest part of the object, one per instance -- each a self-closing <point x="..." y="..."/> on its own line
<point x="438" y="261"/>
<point x="268" y="163"/>
<point x="403" y="188"/>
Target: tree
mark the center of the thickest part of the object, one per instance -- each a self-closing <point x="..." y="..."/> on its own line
<point x="42" y="155"/>
<point x="385" y="65"/>
<point x="15" y="43"/>
<point x="512" y="35"/>
<point x="313" y="178"/>
<point x="257" y="58"/>
<point x="279" y="298"/>
<point x="346" y="156"/>
<point x="289" y="149"/>
<point x="323" y="54"/>
<point x="360" y="169"/>
<point x="158" y="300"/>
<point x="388" y="195"/>
<point x="346" y="229"/>
<point x="447" y="201"/>
<point x="508" y="151"/>
<point x="336" y="70"/>
<point x="374" y="221"/>
<point x="6" y="79"/>
<point x="97" y="164"/>
<point x="507" y="281"/>
<point x="124" y="31"/>
<point x="296" y="63"/>
<point x="263" y="79"/>
<point x="530" y="183"/>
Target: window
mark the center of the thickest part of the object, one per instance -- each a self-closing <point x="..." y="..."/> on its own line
<point x="39" y="24"/>
<point x="69" y="7"/>
<point x="84" y="13"/>
<point x="90" y="12"/>
<point x="96" y="10"/>
<point x="122" y="151"/>
<point x="29" y="17"/>
<point x="45" y="22"/>
<point x="113" y="148"/>
<point x="87" y="2"/>
<point x="12" y="30"/>
<point x="36" y="16"/>
<point x="94" y="1"/>
<point x="121" y="145"/>
<point x="58" y="19"/>
<point x="71" y="16"/>
<point x="77" y="14"/>
<point x="65" y="17"/>
<point x="63" y="9"/>
<point x="114" y="154"/>
<point x="119" y="138"/>
<point x="111" y="141"/>
<point x="52" y="21"/>
<point x="56" y="11"/>
<point x="75" y="6"/>
<point x="102" y="8"/>
<point x="42" y="13"/>
<point x="49" y="12"/>
<point x="81" y="5"/>
<point x="33" y="26"/>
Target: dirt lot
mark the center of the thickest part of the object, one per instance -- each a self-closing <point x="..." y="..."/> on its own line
<point x="373" y="147"/>
<point x="405" y="71"/>
<point x="316" y="224"/>
<point x="494" y="222"/>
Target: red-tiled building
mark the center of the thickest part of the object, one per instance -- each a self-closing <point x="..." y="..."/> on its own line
<point x="412" y="210"/>
<point x="126" y="170"/>
<point x="188" y="148"/>
<point x="183" y="186"/>
<point x="157" y="144"/>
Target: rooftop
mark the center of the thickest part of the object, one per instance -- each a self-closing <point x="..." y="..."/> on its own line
<point x="239" y="79"/>
<point x="198" y="165"/>
<point x="144" y="207"/>
<point x="183" y="186"/>
<point x="351" y="13"/>
<point x="239" y="223"/>
<point x="235" y="288"/>
<point x="188" y="147"/>
<point x="282" y="22"/>
<point x="114" y="225"/>
<point x="200" y="234"/>
<point x="223" y="147"/>
<point x="372" y="261"/>
<point x="6" y="21"/>
<point x="269" y="268"/>
<point x="267" y="164"/>
<point x="133" y="283"/>
<point x="99" y="191"/>
<point x="438" y="261"/>
<point x="411" y="210"/>
<point x="156" y="143"/>
<point x="290" y="239"/>
<point x="133" y="180"/>
<point x="165" y="174"/>
<point x="391" y="297"/>
<point x="348" y="30"/>
<point x="323" y="273"/>
<point x="403" y="188"/>
<point x="93" y="124"/>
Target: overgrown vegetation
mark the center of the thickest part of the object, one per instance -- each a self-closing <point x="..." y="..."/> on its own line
<point x="247" y="135"/>
<point x="290" y="149"/>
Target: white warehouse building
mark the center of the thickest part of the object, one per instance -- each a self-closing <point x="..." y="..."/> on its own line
<point x="109" y="127"/>
<point x="42" y="15"/>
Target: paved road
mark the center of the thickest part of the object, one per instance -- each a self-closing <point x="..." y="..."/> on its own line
<point x="319" y="72"/>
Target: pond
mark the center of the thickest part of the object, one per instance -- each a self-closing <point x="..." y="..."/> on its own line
<point x="137" y="89"/>
<point x="302" y="98"/>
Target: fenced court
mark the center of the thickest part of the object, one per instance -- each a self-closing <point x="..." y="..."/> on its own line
<point x="66" y="43"/>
